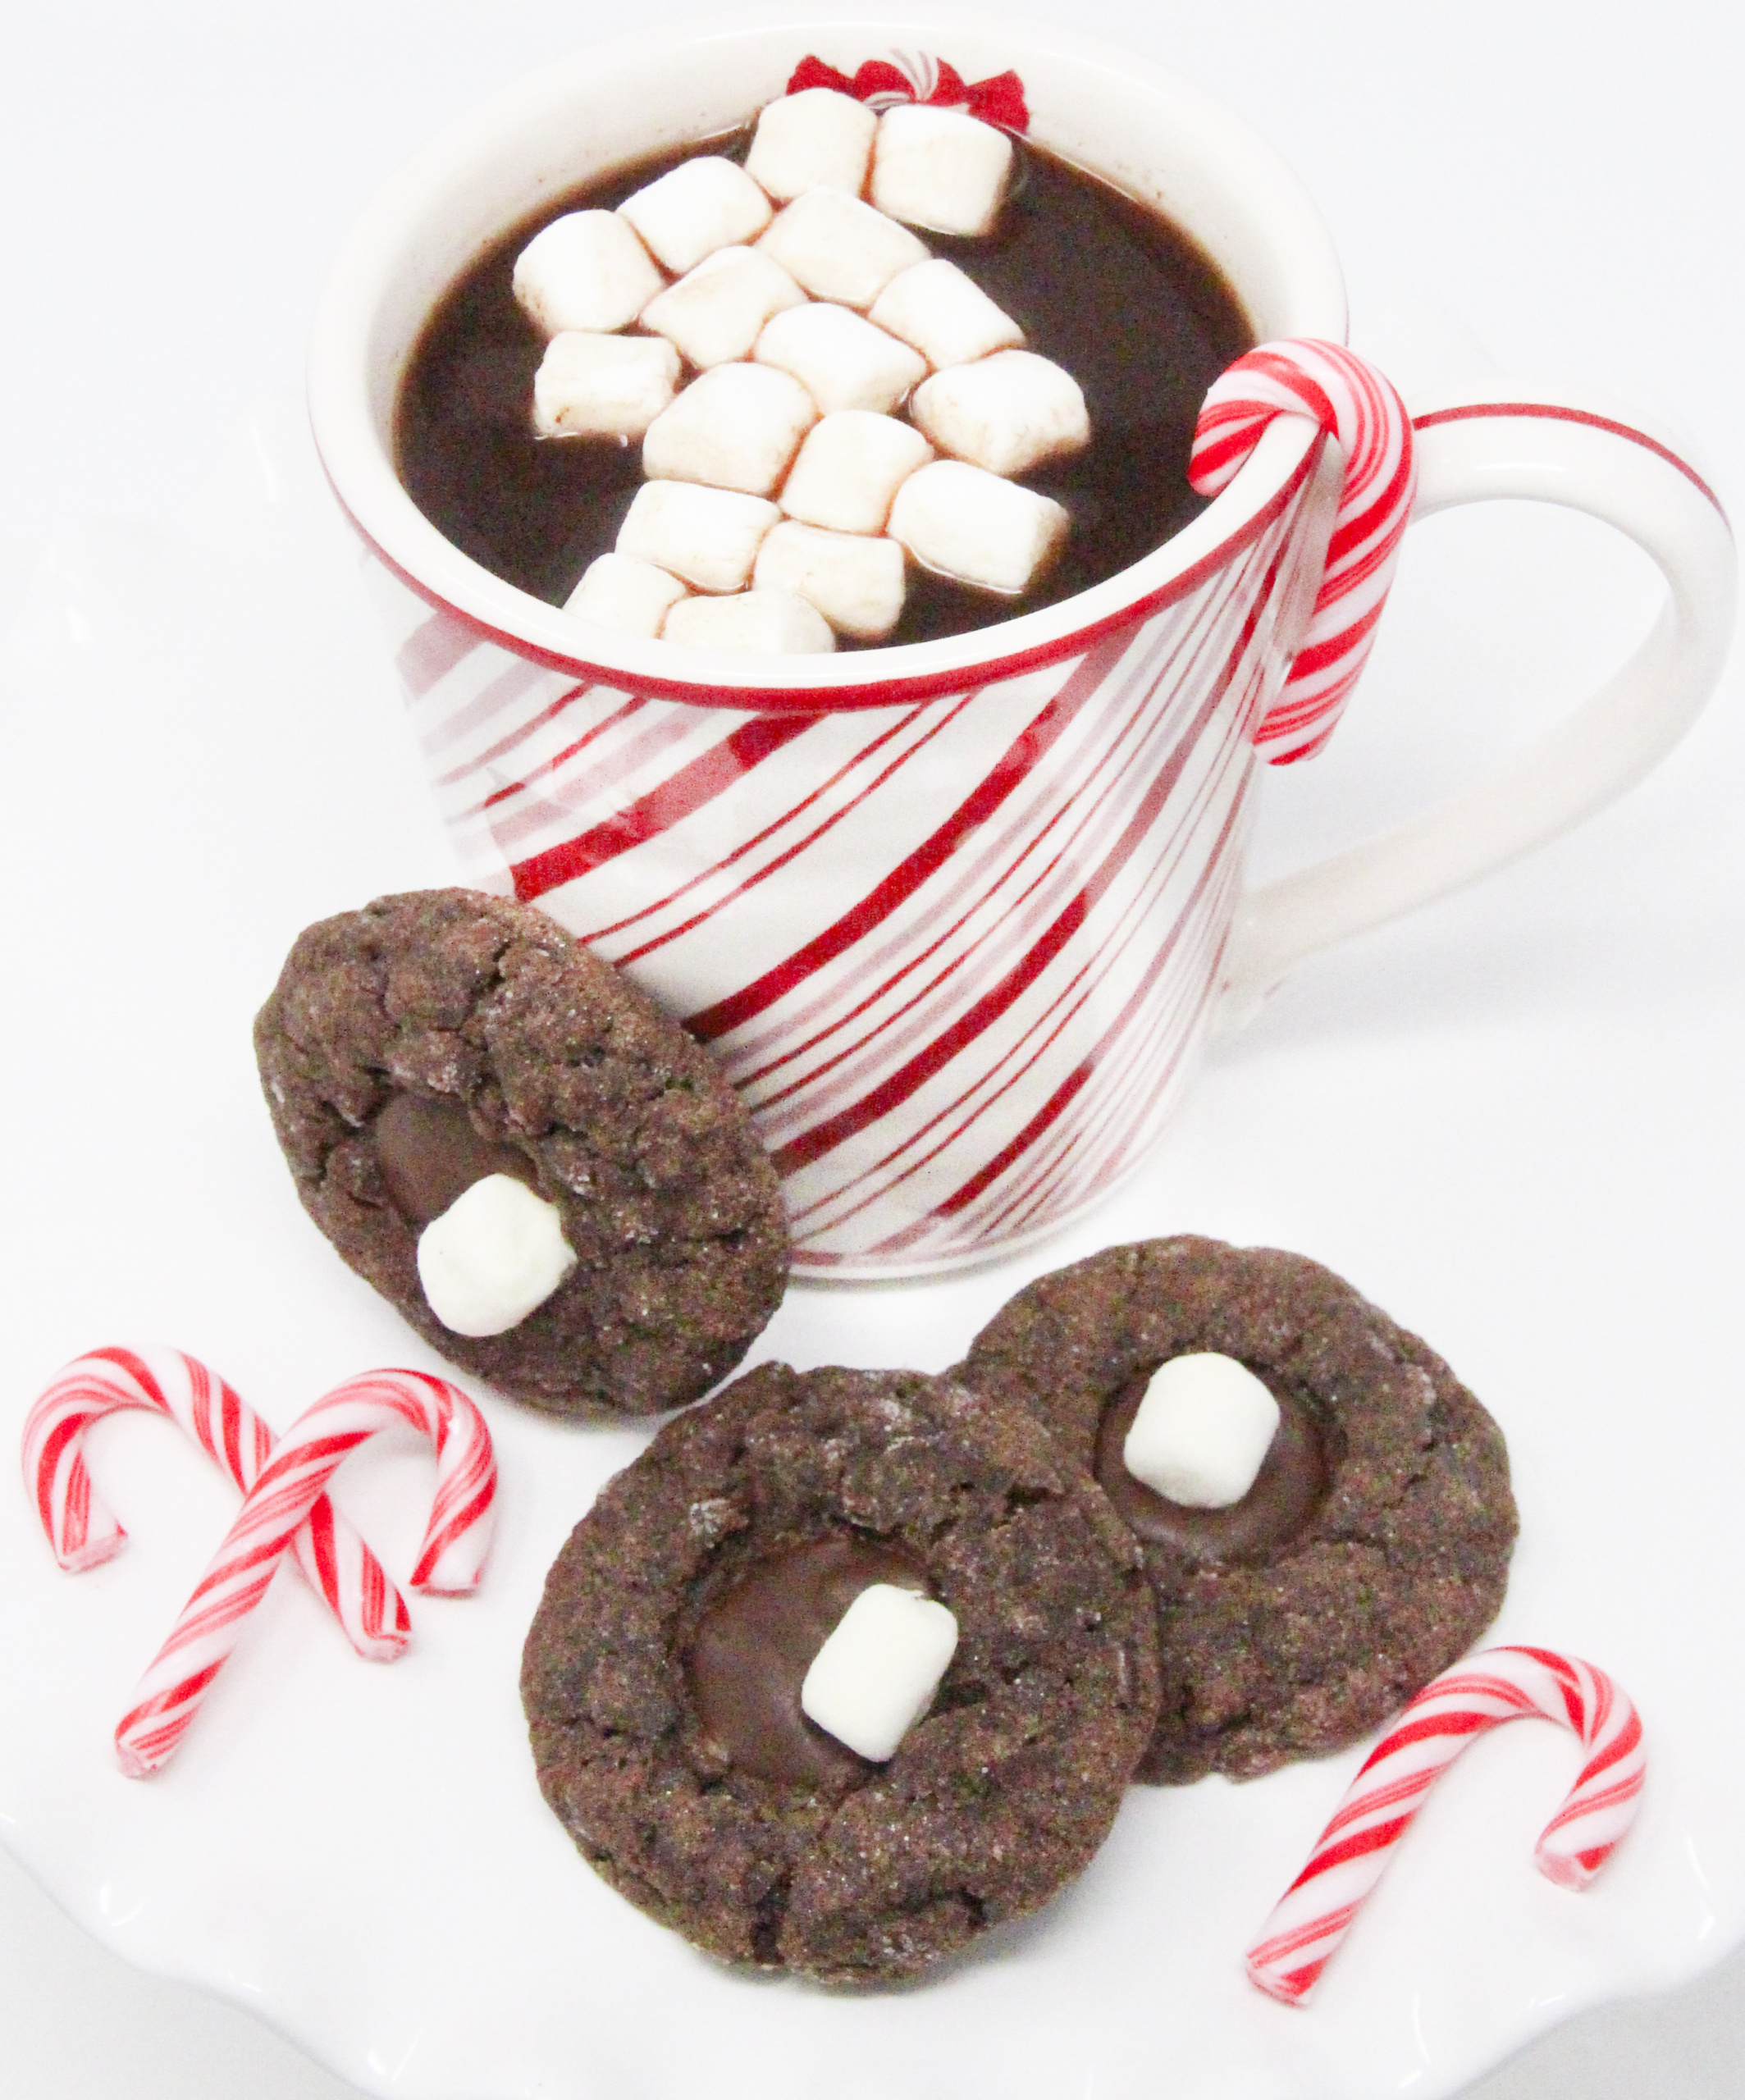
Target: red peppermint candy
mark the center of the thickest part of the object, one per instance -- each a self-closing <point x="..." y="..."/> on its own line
<point x="997" y="100"/>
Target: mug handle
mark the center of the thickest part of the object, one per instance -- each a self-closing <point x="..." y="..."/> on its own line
<point x="1472" y="445"/>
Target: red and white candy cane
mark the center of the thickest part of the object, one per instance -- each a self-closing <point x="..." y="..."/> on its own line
<point x="84" y="1531"/>
<point x="1357" y="405"/>
<point x="288" y="1486"/>
<point x="1501" y="1684"/>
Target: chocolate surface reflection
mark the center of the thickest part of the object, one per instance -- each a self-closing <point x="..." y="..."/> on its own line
<point x="753" y="1646"/>
<point x="1288" y="1489"/>
<point x="430" y="1154"/>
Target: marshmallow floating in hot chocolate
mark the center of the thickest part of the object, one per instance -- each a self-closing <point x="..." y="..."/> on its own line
<point x="1202" y="1431"/>
<point x="709" y="537"/>
<point x="850" y="467"/>
<point x="737" y="427"/>
<point x="619" y="591"/>
<point x="770" y="622"/>
<point x="586" y="270"/>
<point x="939" y="168"/>
<point x="854" y="580"/>
<point x="840" y="248"/>
<point x="967" y="522"/>
<point x="817" y="139"/>
<point x="592" y="385"/>
<point x="715" y="312"/>
<point x="1007" y="412"/>
<point x="695" y="208"/>
<point x="936" y="309"/>
<point x="840" y="358"/>
<point x="875" y="1676"/>
<point x="496" y="1253"/>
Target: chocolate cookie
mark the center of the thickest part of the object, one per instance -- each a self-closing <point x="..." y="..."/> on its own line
<point x="662" y="1674"/>
<point x="431" y="1039"/>
<point x="1373" y="1548"/>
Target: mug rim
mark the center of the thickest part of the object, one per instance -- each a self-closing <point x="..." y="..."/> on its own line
<point x="356" y="452"/>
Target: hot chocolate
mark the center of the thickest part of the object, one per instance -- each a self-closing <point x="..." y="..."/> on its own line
<point x="1105" y="287"/>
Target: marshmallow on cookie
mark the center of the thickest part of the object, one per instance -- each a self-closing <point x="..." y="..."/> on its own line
<point x="801" y="356"/>
<point x="495" y="1254"/>
<point x="1202" y="1431"/>
<point x="876" y="1674"/>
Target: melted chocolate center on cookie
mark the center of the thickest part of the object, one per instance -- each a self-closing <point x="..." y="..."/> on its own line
<point x="753" y="1646"/>
<point x="430" y="1153"/>
<point x="1288" y="1490"/>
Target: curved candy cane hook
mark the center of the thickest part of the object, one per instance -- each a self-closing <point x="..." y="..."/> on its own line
<point x="288" y="1486"/>
<point x="1501" y="1684"/>
<point x="84" y="1531"/>
<point x="1357" y="405"/>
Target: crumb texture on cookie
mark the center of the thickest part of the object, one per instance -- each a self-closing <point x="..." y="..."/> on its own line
<point x="554" y="1068"/>
<point x="1290" y="1647"/>
<point x="997" y="1796"/>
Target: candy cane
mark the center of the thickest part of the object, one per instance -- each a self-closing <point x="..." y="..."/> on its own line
<point x="288" y="1485"/>
<point x="83" y="1532"/>
<point x="1501" y="1684"/>
<point x="1356" y="404"/>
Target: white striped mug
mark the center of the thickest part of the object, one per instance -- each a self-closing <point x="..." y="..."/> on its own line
<point x="954" y="916"/>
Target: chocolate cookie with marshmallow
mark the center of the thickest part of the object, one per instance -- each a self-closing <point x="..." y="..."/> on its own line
<point x="848" y="1669"/>
<point x="544" y="1175"/>
<point x="1323" y="1508"/>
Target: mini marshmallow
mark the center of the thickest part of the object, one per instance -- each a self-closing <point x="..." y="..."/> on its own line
<point x="850" y="467"/>
<point x="967" y="522"/>
<point x="494" y="1254"/>
<point x="817" y="139"/>
<point x="762" y="622"/>
<point x="946" y="315"/>
<point x="602" y="386"/>
<point x="1008" y="413"/>
<point x="630" y="596"/>
<point x="1201" y="1431"/>
<point x="709" y="537"/>
<point x="586" y="270"/>
<point x="715" y="314"/>
<point x="737" y="427"/>
<point x="840" y="359"/>
<point x="856" y="582"/>
<point x="875" y="1676"/>
<point x="839" y="248"/>
<point x="695" y="208"/>
<point x="940" y="168"/>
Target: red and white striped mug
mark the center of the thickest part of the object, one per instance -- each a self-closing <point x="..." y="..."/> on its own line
<point x="954" y="916"/>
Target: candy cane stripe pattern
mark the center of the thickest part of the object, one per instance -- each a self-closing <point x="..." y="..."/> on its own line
<point x="84" y="1532"/>
<point x="1501" y="1684"/>
<point x="288" y="1487"/>
<point x="1355" y="405"/>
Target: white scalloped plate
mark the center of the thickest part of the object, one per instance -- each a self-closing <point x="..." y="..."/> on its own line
<point x="1511" y="1122"/>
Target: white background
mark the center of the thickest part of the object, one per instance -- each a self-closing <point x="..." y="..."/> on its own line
<point x="1515" y="1119"/>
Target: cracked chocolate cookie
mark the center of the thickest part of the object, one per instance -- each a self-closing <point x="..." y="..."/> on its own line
<point x="1373" y="1547"/>
<point x="663" y="1673"/>
<point x="444" y="1043"/>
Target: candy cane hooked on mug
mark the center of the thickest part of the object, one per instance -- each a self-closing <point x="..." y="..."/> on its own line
<point x="294" y="1477"/>
<point x="1358" y="406"/>
<point x="1498" y="1685"/>
<point x="84" y="1531"/>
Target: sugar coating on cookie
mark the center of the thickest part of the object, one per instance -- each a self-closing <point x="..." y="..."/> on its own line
<point x="431" y="1040"/>
<point x="1373" y="1548"/>
<point x="663" y="1675"/>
